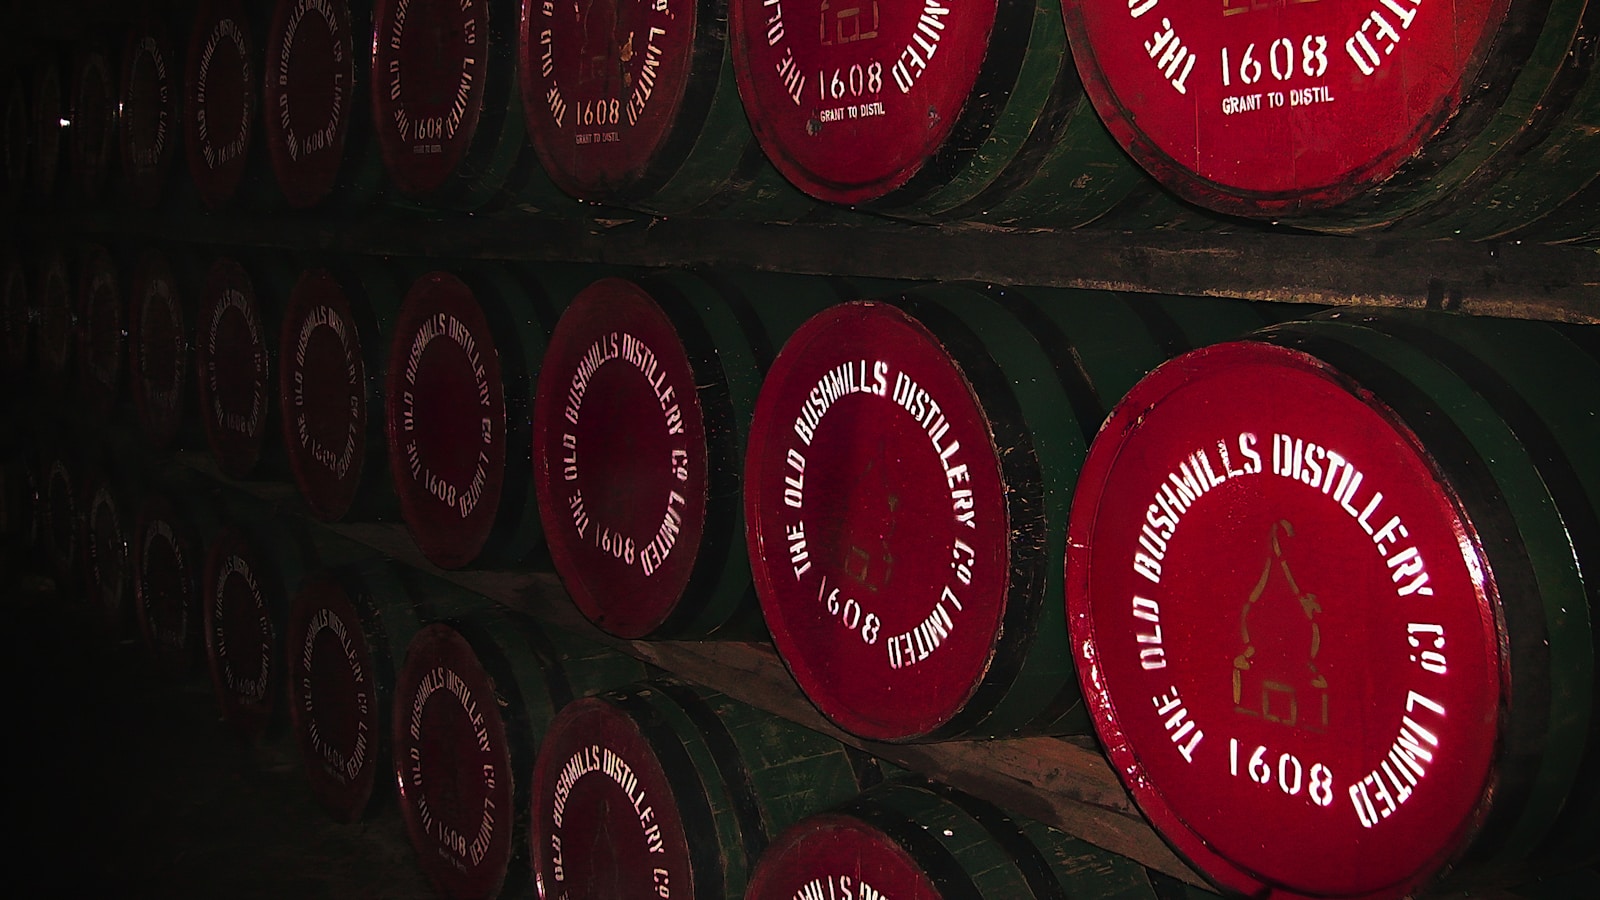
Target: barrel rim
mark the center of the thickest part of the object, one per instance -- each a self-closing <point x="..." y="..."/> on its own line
<point x="307" y="181"/>
<point x="433" y="294"/>
<point x="1125" y="757"/>
<point x="249" y="717"/>
<point x="218" y="183"/>
<point x="346" y="800"/>
<point x="449" y="649"/>
<point x="759" y="468"/>
<point x="328" y="494"/>
<point x="602" y="594"/>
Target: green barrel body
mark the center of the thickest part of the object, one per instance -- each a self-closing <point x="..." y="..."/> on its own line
<point x="665" y="788"/>
<point x="915" y="839"/>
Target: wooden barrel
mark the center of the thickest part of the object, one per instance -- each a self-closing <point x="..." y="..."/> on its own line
<point x="107" y="560"/>
<point x="640" y="421"/>
<point x="1333" y="588"/>
<point x="330" y="388"/>
<point x="321" y="144"/>
<point x="62" y="502"/>
<point x="55" y="320"/>
<point x="17" y="495"/>
<point x="16" y="318"/>
<point x="909" y="469"/>
<point x="664" y="790"/>
<point x="15" y="137"/>
<point x="252" y="568"/>
<point x="92" y="110"/>
<point x="921" y="841"/>
<point x="347" y="633"/>
<point x="168" y="560"/>
<point x="1573" y="220"/>
<point x="473" y="699"/>
<point x="48" y="109"/>
<point x="460" y="381"/>
<point x="1551" y="190"/>
<point x="637" y="106"/>
<point x="24" y="504"/>
<point x="150" y="126"/>
<point x="102" y="331"/>
<point x="1363" y="114"/>
<point x="928" y="113"/>
<point x="161" y="318"/>
<point x="445" y="104"/>
<point x="222" y="79"/>
<point x="236" y="354"/>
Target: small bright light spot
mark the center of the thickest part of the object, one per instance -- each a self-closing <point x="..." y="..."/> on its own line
<point x="66" y="123"/>
<point x="949" y="833"/>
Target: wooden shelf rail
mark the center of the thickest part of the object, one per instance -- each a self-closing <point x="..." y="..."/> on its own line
<point x="1513" y="280"/>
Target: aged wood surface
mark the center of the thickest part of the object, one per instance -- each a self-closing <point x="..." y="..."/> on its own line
<point x="1553" y="283"/>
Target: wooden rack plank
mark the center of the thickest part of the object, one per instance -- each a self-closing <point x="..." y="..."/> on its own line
<point x="1514" y="279"/>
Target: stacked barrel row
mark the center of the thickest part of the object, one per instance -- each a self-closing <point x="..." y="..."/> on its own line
<point x="904" y="469"/>
<point x="403" y="690"/>
<point x="1477" y="124"/>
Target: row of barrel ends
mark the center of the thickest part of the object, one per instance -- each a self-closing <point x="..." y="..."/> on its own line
<point x="32" y="158"/>
<point x="36" y="519"/>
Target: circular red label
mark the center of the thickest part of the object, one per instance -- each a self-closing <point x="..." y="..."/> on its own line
<point x="240" y="638"/>
<point x="15" y="322"/>
<point x="605" y="819"/>
<point x="446" y="420"/>
<point x="149" y="110"/>
<point x="158" y="352"/>
<point x="220" y="89"/>
<point x="310" y="77"/>
<point x="322" y="388"/>
<point x="100" y="345"/>
<point x="876" y="521"/>
<point x="429" y="65"/>
<point x="1277" y="106"/>
<point x="333" y="699"/>
<point x="453" y="765"/>
<point x="234" y="369"/>
<point x="851" y="102"/>
<point x="832" y="856"/>
<point x="164" y="585"/>
<point x="620" y="451"/>
<point x="1283" y="626"/>
<point x="56" y="321"/>
<point x="602" y="85"/>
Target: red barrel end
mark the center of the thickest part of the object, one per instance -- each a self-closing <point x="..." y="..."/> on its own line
<point x="322" y="390"/>
<point x="234" y="369"/>
<point x="446" y="420"/>
<point x="605" y="810"/>
<point x="1283" y="626"/>
<point x="877" y="522"/>
<point x="620" y="458"/>
<point x="220" y="100"/>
